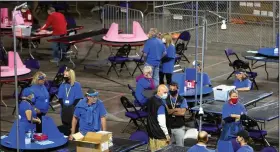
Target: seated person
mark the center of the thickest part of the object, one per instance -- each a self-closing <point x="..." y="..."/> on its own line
<point x="143" y="83"/>
<point x="206" y="78"/>
<point x="91" y="114"/>
<point x="202" y="140"/>
<point x="243" y="138"/>
<point x="198" y="66"/>
<point x="27" y="111"/>
<point x="242" y="82"/>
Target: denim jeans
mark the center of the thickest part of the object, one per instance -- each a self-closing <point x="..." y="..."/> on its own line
<point x="155" y="74"/>
<point x="57" y="47"/>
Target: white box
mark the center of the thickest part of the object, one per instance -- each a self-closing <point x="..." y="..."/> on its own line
<point x="23" y="30"/>
<point x="221" y="92"/>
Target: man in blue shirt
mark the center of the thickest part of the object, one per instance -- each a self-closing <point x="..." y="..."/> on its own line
<point x="156" y="121"/>
<point x="176" y="107"/>
<point x="202" y="140"/>
<point x="154" y="50"/>
<point x="91" y="114"/>
<point x="242" y="139"/>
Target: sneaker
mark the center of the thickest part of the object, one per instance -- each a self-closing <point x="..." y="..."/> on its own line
<point x="54" y="60"/>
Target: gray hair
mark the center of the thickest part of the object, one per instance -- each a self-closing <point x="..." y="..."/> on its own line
<point x="153" y="32"/>
<point x="147" y="69"/>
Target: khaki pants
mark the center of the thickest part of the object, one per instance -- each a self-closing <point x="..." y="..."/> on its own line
<point x="156" y="144"/>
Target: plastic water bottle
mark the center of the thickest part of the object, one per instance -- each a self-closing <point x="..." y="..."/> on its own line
<point x="185" y="89"/>
<point x="28" y="137"/>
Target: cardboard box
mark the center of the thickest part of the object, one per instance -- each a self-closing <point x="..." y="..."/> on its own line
<point x="93" y="142"/>
<point x="221" y="92"/>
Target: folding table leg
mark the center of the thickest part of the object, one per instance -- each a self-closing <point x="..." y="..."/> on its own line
<point x="101" y="47"/>
<point x="1" y="84"/>
<point x="88" y="53"/>
<point x="30" y="50"/>
<point x="267" y="75"/>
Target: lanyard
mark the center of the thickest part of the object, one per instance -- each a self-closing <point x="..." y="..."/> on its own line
<point x="173" y="104"/>
<point x="67" y="93"/>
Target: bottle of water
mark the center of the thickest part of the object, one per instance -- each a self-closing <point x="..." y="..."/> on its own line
<point x="185" y="89"/>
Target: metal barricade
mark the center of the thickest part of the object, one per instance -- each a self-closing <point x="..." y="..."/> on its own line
<point x="116" y="14"/>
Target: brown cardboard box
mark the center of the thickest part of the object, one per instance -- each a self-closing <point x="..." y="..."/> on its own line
<point x="93" y="142"/>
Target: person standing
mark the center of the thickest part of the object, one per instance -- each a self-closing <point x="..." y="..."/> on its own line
<point x="156" y="121"/>
<point x="58" y="23"/>
<point x="154" y="50"/>
<point x="176" y="107"/>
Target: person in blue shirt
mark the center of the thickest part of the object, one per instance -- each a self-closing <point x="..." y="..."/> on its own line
<point x="243" y="138"/>
<point x="168" y="61"/>
<point x="69" y="94"/>
<point x="154" y="50"/>
<point x="91" y="114"/>
<point x="242" y="82"/>
<point x="26" y="110"/>
<point x="202" y="140"/>
<point x="231" y="114"/>
<point x="144" y="83"/>
<point x="156" y="120"/>
<point x="176" y="106"/>
<point x="41" y="97"/>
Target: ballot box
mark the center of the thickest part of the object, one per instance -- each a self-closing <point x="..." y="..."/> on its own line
<point x="221" y="92"/>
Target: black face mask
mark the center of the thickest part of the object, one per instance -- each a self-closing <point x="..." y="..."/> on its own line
<point x="173" y="93"/>
<point x="66" y="79"/>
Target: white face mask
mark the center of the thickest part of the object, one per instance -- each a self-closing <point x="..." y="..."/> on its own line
<point x="164" y="96"/>
<point x="163" y="40"/>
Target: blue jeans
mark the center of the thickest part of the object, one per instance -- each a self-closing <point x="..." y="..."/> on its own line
<point x="155" y="73"/>
<point x="57" y="47"/>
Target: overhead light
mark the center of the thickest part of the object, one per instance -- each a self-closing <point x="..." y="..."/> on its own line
<point x="224" y="26"/>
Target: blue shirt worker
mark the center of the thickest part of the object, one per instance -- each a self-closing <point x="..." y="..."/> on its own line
<point x="144" y="83"/>
<point x="26" y="110"/>
<point x="168" y="61"/>
<point x="243" y="138"/>
<point x="176" y="107"/>
<point x="154" y="50"/>
<point x="231" y="114"/>
<point x="202" y="140"/>
<point x="41" y="97"/>
<point x="156" y="121"/>
<point x="242" y="82"/>
<point x="91" y="114"/>
<point x="69" y="94"/>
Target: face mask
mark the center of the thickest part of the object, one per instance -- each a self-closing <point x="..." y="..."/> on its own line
<point x="173" y="93"/>
<point x="66" y="79"/>
<point x="164" y="96"/>
<point x="234" y="100"/>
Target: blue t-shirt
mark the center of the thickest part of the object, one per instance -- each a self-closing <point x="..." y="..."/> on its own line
<point x="89" y="121"/>
<point x="23" y="107"/>
<point x="245" y="148"/>
<point x="242" y="84"/>
<point x="74" y="92"/>
<point x="142" y="84"/>
<point x="168" y="67"/>
<point x="161" y="109"/>
<point x="229" y="109"/>
<point x="184" y="104"/>
<point x="154" y="49"/>
<point x="199" y="148"/>
<point x="41" y="97"/>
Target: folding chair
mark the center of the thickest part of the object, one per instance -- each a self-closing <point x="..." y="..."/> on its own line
<point x="178" y="57"/>
<point x="136" y="102"/>
<point x="139" y="62"/>
<point x="120" y="58"/>
<point x="269" y="149"/>
<point x="184" y="38"/>
<point x="252" y="126"/>
<point x="235" y="64"/>
<point x="132" y="113"/>
<point x="3" y="55"/>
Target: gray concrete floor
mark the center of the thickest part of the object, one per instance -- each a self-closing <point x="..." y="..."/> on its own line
<point x="111" y="87"/>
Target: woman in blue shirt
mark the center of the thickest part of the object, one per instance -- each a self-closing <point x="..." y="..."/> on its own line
<point x="144" y="83"/>
<point x="242" y="82"/>
<point x="69" y="94"/>
<point x="41" y="97"/>
<point x="231" y="114"/>
<point x="27" y="111"/>
<point x="168" y="61"/>
<point x="90" y="113"/>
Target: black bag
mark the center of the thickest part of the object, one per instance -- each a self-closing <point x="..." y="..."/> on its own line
<point x="237" y="64"/>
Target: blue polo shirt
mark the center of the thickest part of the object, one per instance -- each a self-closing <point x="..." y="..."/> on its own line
<point x="182" y="105"/>
<point x="229" y="109"/>
<point x="142" y="84"/>
<point x="199" y="148"/>
<point x="41" y="97"/>
<point x="154" y="49"/>
<point x="70" y="93"/>
<point x="89" y="115"/>
<point x="168" y="67"/>
<point x="242" y="84"/>
<point x="245" y="148"/>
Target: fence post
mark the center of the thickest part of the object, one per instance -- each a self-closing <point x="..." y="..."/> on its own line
<point x="217" y="21"/>
<point x="162" y="20"/>
<point x="154" y="10"/>
<point x="273" y="24"/>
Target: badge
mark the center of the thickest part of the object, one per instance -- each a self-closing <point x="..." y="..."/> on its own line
<point x="67" y="101"/>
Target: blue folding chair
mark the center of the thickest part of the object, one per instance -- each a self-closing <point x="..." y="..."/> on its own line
<point x="136" y="102"/>
<point x="269" y="149"/>
<point x="184" y="38"/>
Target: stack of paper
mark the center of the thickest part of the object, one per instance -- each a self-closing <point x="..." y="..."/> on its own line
<point x="45" y="142"/>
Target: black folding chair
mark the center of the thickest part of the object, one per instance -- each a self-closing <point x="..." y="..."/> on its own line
<point x="184" y="38"/>
<point x="132" y="113"/>
<point x="139" y="62"/>
<point x="120" y="58"/>
<point x="179" y="53"/>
